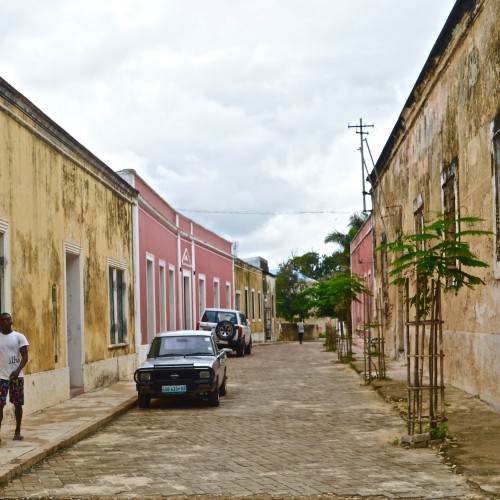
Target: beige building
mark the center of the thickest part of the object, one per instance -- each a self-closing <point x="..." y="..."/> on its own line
<point x="269" y="296"/>
<point x="66" y="256"/>
<point x="444" y="155"/>
<point x="249" y="296"/>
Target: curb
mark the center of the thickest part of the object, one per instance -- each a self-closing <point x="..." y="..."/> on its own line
<point x="20" y="465"/>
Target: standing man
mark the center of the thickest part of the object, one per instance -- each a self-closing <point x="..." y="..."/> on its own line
<point x="300" y="329"/>
<point x="12" y="346"/>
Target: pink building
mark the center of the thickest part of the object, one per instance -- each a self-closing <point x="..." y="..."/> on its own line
<point x="362" y="264"/>
<point x="181" y="267"/>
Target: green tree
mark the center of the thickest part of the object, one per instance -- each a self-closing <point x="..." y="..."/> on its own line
<point x="342" y="258"/>
<point x="314" y="266"/>
<point x="289" y="285"/>
<point x="439" y="252"/>
<point x="333" y="297"/>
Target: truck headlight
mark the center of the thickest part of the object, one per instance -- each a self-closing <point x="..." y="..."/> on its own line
<point x="143" y="376"/>
<point x="204" y="374"/>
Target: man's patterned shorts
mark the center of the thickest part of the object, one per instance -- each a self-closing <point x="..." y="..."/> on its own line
<point x="15" y="388"/>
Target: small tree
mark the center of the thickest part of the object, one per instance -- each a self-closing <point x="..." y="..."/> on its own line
<point x="333" y="298"/>
<point x="433" y="260"/>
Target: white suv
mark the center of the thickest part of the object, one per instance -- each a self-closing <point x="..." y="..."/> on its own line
<point x="230" y="328"/>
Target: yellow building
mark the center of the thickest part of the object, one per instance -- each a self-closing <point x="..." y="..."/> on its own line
<point x="255" y="295"/>
<point x="66" y="255"/>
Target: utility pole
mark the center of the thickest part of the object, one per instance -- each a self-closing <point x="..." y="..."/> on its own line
<point x="360" y="129"/>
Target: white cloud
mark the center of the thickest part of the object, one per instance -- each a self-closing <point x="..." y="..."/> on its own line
<point x="228" y="104"/>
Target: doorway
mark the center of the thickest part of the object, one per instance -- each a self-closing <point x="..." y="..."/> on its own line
<point x="188" y="317"/>
<point x="74" y="323"/>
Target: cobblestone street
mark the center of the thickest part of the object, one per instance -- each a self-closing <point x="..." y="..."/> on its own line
<point x="294" y="422"/>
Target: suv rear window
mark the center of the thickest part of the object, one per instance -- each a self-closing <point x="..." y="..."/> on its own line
<point x="216" y="316"/>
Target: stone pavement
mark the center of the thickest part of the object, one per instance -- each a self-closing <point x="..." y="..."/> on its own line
<point x="474" y="449"/>
<point x="55" y="428"/>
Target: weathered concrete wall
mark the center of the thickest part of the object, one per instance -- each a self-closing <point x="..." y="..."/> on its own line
<point x="448" y="119"/>
<point x="288" y="332"/>
<point x="55" y="196"/>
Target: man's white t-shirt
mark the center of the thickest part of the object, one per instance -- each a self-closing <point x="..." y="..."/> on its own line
<point x="10" y="344"/>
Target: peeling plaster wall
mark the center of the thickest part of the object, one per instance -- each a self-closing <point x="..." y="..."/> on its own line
<point x="55" y="193"/>
<point x="448" y="119"/>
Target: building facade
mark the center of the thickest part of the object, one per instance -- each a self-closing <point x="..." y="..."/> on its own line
<point x="66" y="256"/>
<point x="269" y="296"/>
<point x="443" y="156"/>
<point x="182" y="267"/>
<point x="362" y="264"/>
<point x="249" y="296"/>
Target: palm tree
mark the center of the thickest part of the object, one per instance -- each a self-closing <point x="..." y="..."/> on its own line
<point x="344" y="240"/>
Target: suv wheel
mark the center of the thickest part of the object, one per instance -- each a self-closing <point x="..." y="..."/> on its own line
<point x="225" y="330"/>
<point x="240" y="350"/>
<point x="248" y="348"/>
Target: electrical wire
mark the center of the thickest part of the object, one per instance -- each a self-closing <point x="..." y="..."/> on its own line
<point x="249" y="212"/>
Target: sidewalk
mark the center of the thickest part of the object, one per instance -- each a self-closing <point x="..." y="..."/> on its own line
<point x="50" y="430"/>
<point x="474" y="449"/>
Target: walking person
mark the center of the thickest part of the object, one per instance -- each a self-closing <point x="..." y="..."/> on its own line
<point x="13" y="358"/>
<point x="300" y="329"/>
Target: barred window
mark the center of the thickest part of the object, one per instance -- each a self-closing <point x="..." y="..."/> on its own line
<point x="117" y="301"/>
<point x="496" y="175"/>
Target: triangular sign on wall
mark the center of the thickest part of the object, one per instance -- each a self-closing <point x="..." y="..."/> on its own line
<point x="186" y="261"/>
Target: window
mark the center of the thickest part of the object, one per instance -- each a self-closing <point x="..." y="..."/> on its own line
<point x="4" y="268"/>
<point x="259" y="306"/>
<point x="228" y="296"/>
<point x="450" y="205"/>
<point x="450" y="201"/>
<point x="216" y="293"/>
<point x="237" y="304"/>
<point x="187" y="302"/>
<point x="384" y="261"/>
<point x="202" y="291"/>
<point x="253" y="304"/>
<point x="171" y="299"/>
<point x="2" y="273"/>
<point x="496" y="183"/>
<point x="163" y="297"/>
<point x="150" y="297"/>
<point x="117" y="305"/>
<point x="418" y="216"/>
<point x="246" y="302"/>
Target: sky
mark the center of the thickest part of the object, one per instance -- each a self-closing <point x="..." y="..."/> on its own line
<point x="236" y="112"/>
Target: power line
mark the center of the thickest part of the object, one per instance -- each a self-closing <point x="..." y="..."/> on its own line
<point x="249" y="212"/>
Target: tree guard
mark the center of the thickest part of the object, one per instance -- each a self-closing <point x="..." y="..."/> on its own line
<point x="424" y="346"/>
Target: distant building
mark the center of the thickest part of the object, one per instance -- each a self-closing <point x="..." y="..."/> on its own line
<point x="255" y="295"/>
<point x="269" y="290"/>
